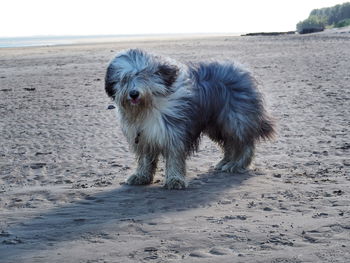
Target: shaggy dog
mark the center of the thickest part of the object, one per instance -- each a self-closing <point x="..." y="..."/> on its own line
<point x="166" y="106"/>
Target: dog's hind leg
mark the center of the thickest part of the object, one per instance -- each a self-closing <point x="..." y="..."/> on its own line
<point x="228" y="149"/>
<point x="175" y="172"/>
<point x="237" y="157"/>
<point x="146" y="168"/>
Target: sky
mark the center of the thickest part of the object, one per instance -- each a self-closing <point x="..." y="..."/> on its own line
<point x="105" y="17"/>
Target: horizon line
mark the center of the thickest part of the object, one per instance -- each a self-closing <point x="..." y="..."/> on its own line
<point x="119" y="35"/>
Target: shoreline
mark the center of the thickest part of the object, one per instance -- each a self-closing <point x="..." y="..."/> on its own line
<point x="61" y="41"/>
<point x="48" y="41"/>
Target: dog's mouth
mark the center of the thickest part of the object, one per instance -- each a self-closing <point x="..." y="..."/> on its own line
<point x="135" y="101"/>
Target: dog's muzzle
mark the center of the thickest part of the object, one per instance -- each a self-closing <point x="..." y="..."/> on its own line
<point x="134" y="96"/>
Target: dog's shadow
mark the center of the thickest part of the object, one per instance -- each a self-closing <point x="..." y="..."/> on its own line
<point x="73" y="221"/>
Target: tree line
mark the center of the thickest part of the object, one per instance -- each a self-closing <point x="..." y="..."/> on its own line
<point x="319" y="19"/>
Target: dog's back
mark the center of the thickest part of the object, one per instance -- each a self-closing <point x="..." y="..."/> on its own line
<point x="228" y="96"/>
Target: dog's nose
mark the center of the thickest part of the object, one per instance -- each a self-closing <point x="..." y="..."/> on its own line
<point x="134" y="94"/>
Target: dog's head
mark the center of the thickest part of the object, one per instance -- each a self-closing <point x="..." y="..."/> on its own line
<point x="134" y="78"/>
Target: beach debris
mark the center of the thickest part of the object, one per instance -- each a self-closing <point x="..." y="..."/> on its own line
<point x="29" y="89"/>
<point x="37" y="165"/>
<point x="42" y="153"/>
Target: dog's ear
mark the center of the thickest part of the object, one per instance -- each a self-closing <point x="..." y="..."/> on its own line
<point x="168" y="73"/>
<point x="110" y="82"/>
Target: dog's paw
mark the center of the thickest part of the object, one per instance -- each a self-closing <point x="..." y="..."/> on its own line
<point x="175" y="183"/>
<point x="232" y="167"/>
<point x="219" y="165"/>
<point x="138" y="179"/>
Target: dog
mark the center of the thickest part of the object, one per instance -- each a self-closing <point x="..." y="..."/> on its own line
<point x="165" y="107"/>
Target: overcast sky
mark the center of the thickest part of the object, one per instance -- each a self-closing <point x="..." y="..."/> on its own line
<point x="99" y="17"/>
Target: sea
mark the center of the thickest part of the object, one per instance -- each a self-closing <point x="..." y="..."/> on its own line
<point x="39" y="41"/>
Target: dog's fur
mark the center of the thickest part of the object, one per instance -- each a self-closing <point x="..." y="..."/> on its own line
<point x="166" y="106"/>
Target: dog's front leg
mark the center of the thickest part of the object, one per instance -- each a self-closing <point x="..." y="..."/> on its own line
<point x="175" y="171"/>
<point x="146" y="168"/>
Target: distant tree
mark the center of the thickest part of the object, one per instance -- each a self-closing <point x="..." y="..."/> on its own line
<point x="329" y="16"/>
<point x="313" y="24"/>
<point x="344" y="12"/>
<point x="343" y="23"/>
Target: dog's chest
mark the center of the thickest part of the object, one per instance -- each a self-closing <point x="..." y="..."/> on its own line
<point x="151" y="131"/>
<point x="154" y="131"/>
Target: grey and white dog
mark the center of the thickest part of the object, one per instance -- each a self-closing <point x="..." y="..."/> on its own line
<point x="166" y="106"/>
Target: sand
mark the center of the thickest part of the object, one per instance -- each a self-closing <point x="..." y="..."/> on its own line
<point x="63" y="161"/>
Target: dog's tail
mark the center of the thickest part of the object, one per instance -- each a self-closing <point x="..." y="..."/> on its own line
<point x="267" y="129"/>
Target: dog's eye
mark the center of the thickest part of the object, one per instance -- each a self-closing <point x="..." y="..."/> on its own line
<point x="124" y="80"/>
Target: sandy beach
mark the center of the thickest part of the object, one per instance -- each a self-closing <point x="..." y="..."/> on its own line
<point x="64" y="160"/>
